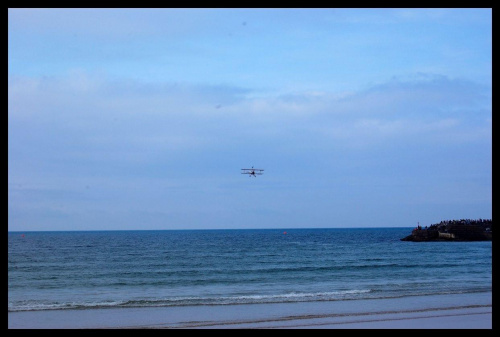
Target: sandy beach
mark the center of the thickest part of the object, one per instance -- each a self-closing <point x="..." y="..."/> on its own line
<point x="463" y="311"/>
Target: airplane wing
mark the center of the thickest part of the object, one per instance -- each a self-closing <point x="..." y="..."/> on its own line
<point x="252" y="171"/>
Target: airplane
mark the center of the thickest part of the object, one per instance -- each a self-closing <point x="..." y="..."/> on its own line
<point x="252" y="172"/>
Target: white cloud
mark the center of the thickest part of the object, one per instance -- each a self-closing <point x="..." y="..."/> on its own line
<point x="126" y="117"/>
<point x="178" y="142"/>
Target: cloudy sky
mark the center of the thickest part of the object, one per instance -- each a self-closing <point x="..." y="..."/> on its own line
<point x="143" y="118"/>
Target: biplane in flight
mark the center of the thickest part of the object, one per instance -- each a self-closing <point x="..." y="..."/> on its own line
<point x="252" y="172"/>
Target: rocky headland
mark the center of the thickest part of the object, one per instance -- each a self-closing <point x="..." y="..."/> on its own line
<point x="453" y="230"/>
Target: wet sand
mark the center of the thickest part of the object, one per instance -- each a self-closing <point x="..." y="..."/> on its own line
<point x="462" y="311"/>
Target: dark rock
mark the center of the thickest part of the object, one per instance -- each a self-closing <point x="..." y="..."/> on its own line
<point x="453" y="230"/>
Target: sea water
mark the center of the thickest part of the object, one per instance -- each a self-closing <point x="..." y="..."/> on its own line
<point x="174" y="268"/>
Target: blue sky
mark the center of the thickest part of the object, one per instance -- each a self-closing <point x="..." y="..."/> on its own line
<point x="143" y="118"/>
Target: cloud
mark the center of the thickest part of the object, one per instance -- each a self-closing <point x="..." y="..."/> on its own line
<point x="119" y="148"/>
<point x="430" y="107"/>
<point x="82" y="116"/>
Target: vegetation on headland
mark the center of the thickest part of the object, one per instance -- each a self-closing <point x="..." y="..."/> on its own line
<point x="454" y="230"/>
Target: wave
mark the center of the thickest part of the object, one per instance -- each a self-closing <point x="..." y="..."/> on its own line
<point x="191" y="301"/>
<point x="222" y="300"/>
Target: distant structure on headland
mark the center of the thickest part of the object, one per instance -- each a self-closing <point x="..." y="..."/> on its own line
<point x="454" y="230"/>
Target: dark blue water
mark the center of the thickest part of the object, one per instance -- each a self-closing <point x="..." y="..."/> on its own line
<point x="70" y="270"/>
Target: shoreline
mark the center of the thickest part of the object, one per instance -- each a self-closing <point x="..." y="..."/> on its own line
<point x="473" y="318"/>
<point x="463" y="311"/>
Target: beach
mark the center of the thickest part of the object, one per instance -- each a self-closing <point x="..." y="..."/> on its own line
<point x="454" y="311"/>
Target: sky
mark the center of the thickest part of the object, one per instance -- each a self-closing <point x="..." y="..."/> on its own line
<point x="130" y="119"/>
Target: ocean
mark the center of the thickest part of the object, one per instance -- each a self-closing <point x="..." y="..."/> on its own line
<point x="178" y="268"/>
